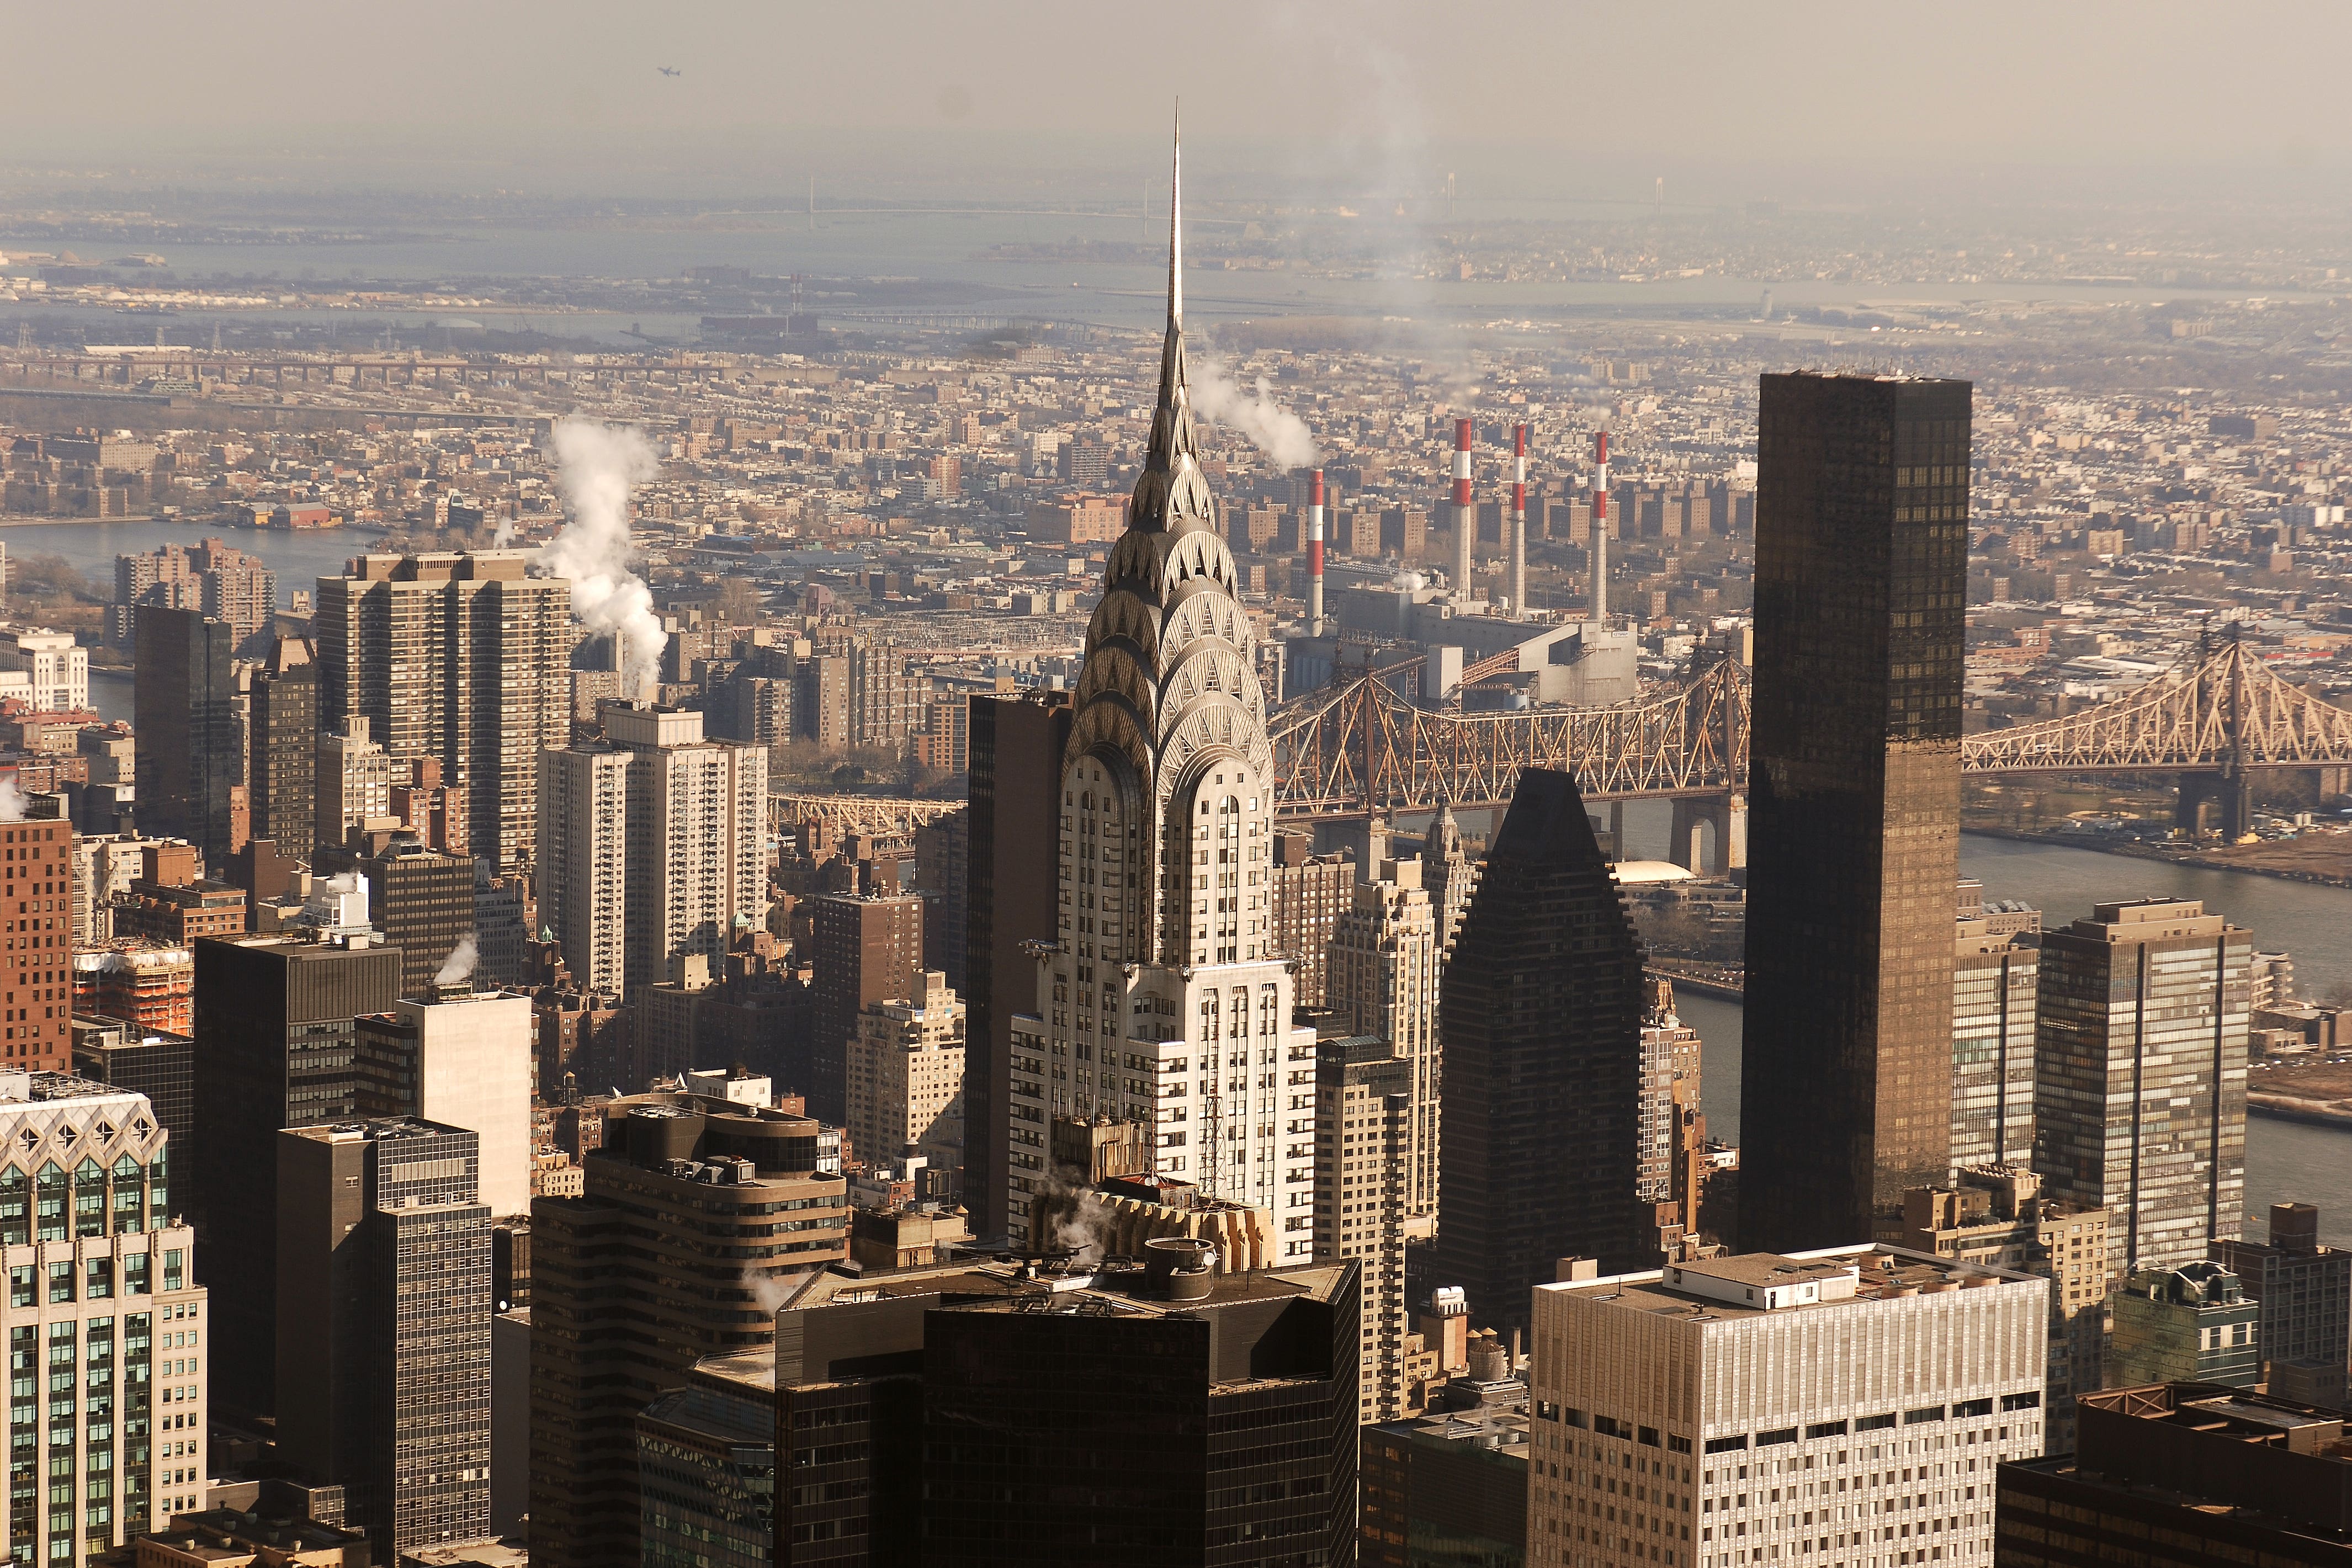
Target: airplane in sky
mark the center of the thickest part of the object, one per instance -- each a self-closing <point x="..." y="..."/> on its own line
<point x="669" y="72"/>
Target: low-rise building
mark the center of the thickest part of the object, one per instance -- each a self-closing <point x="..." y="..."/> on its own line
<point x="2191" y="1324"/>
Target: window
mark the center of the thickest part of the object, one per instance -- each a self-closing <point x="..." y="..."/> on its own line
<point x="134" y="1273"/>
<point x="172" y="1270"/>
<point x="50" y="1202"/>
<point x="129" y="1205"/>
<point x="97" y="1279"/>
<point x="22" y="1291"/>
<point x="61" y="1281"/>
<point x="15" y="1214"/>
<point x="90" y="1198"/>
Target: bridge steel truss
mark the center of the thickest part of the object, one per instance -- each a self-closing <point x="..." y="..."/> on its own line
<point x="1362" y="745"/>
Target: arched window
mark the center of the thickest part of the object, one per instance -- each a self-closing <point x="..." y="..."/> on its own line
<point x="130" y="1198"/>
<point x="90" y="1198"/>
<point x="15" y="1207"/>
<point x="159" y="1189"/>
<point x="49" y="1198"/>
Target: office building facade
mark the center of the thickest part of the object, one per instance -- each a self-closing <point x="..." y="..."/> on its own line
<point x="277" y="1026"/>
<point x="383" y="1336"/>
<point x="458" y="1058"/>
<point x="1995" y="980"/>
<point x="1862" y="506"/>
<point x="2140" y="1076"/>
<point x="694" y="1212"/>
<point x="1010" y="898"/>
<point x="1381" y="978"/>
<point x="1363" y="1157"/>
<point x="282" y="703"/>
<point x="109" y="1333"/>
<point x="37" y="968"/>
<point x="1541" y="1012"/>
<point x="2194" y="1324"/>
<point x="904" y="1078"/>
<point x="864" y="951"/>
<point x="190" y="737"/>
<point x="2181" y="1476"/>
<point x="2305" y="1292"/>
<point x="1848" y="1406"/>
<point x="459" y="657"/>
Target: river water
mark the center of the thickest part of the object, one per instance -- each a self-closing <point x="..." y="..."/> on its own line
<point x="2284" y="1160"/>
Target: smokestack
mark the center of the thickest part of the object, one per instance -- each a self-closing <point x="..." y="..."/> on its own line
<point x="1466" y="513"/>
<point x="1600" y="526"/>
<point x="1315" y="557"/>
<point x="1520" y="521"/>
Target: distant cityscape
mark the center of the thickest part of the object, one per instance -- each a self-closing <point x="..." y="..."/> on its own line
<point x="871" y="928"/>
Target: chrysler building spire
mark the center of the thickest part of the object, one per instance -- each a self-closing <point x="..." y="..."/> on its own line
<point x="1170" y="494"/>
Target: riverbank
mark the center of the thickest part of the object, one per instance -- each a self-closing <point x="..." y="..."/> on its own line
<point x="2311" y="1112"/>
<point x="2207" y="859"/>
<point x="1707" y="979"/>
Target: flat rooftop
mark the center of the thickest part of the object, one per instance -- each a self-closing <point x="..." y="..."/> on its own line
<point x="1753" y="1283"/>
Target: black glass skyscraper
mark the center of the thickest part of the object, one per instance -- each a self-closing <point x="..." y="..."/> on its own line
<point x="1541" y="1024"/>
<point x="1862" y="518"/>
<point x="191" y="746"/>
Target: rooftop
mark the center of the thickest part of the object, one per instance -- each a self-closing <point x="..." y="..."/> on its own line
<point x="1755" y="1283"/>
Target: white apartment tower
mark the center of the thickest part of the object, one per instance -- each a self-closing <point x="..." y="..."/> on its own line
<point x="583" y="838"/>
<point x="1845" y="1406"/>
<point x="1381" y="978"/>
<point x="108" y="1331"/>
<point x="1162" y="1001"/>
<point x="653" y="846"/>
<point x="906" y="1079"/>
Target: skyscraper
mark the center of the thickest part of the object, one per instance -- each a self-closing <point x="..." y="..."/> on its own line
<point x="103" y="1300"/>
<point x="906" y="1079"/>
<point x="36" y="966"/>
<point x="1166" y="1002"/>
<point x="459" y="657"/>
<point x="2140" y="1076"/>
<point x="383" y="1313"/>
<point x="1009" y="899"/>
<point x="1541" y="1013"/>
<point x="420" y="901"/>
<point x="865" y="950"/>
<point x="1381" y="978"/>
<point x="1364" y="1149"/>
<point x="1995" y="980"/>
<point x="1157" y="1416"/>
<point x="276" y="1024"/>
<point x="653" y="847"/>
<point x="1899" y="1381"/>
<point x="463" y="1059"/>
<point x="694" y="1212"/>
<point x="583" y="859"/>
<point x="191" y="739"/>
<point x="1862" y="507"/>
<point x="283" y="702"/>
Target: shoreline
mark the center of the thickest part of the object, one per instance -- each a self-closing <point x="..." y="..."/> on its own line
<point x="2130" y="849"/>
<point x="2310" y="1112"/>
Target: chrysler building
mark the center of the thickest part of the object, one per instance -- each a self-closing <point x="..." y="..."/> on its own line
<point x="1164" y="1001"/>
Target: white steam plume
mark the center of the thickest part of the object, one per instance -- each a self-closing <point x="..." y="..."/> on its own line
<point x="459" y="963"/>
<point x="596" y="465"/>
<point x="772" y="1290"/>
<point x="1281" y="434"/>
<point x="12" y="800"/>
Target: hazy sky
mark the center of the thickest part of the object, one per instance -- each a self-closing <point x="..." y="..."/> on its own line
<point x="1589" y="98"/>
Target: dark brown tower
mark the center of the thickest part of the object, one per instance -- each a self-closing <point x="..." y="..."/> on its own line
<point x="1541" y="1018"/>
<point x="1862" y="518"/>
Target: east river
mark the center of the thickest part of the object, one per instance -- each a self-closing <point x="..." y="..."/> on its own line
<point x="2284" y="1160"/>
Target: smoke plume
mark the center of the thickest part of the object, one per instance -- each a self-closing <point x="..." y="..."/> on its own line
<point x="772" y="1290"/>
<point x="12" y="800"/>
<point x="459" y="963"/>
<point x="1087" y="1228"/>
<point x="596" y="465"/>
<point x="1281" y="434"/>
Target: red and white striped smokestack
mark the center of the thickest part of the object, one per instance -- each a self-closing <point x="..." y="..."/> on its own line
<point x="1600" y="525"/>
<point x="1519" y="520"/>
<point x="1466" y="511"/>
<point x="1315" y="557"/>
